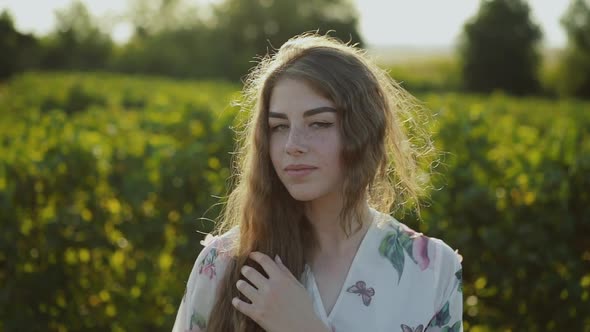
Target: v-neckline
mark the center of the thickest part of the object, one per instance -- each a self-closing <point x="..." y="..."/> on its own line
<point x="316" y="292"/>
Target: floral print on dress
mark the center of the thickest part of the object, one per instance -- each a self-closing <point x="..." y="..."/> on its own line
<point x="406" y="328"/>
<point x="197" y="323"/>
<point x="414" y="244"/>
<point x="459" y="276"/>
<point x="207" y="264"/>
<point x="442" y="318"/>
<point x="360" y="288"/>
<point x="420" y="251"/>
<point x="218" y="249"/>
<point x="455" y="328"/>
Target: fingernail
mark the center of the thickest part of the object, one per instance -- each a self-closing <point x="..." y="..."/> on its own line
<point x="278" y="259"/>
<point x="234" y="301"/>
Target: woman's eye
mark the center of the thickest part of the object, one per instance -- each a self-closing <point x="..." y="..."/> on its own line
<point x="278" y="127"/>
<point x="321" y="124"/>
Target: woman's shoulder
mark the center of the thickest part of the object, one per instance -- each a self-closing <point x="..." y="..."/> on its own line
<point x="223" y="242"/>
<point x="429" y="252"/>
<point x="216" y="253"/>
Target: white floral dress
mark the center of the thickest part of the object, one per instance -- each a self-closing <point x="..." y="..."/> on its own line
<point x="399" y="280"/>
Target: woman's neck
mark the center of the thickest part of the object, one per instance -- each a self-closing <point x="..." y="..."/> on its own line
<point x="324" y="215"/>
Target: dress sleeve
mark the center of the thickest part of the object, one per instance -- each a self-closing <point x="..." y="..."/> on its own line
<point x="200" y="293"/>
<point x="449" y="313"/>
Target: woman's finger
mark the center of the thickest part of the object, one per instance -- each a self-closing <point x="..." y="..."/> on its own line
<point x="284" y="268"/>
<point x="244" y="307"/>
<point x="280" y="264"/>
<point x="270" y="267"/>
<point x="257" y="279"/>
<point x="245" y="288"/>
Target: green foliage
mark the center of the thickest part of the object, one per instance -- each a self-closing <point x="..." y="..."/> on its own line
<point x="514" y="199"/>
<point x="183" y="53"/>
<point x="100" y="207"/>
<point x="576" y="22"/>
<point x="154" y="16"/>
<point x="77" y="42"/>
<point x="437" y="74"/>
<point x="224" y="44"/>
<point x="499" y="49"/>
<point x="174" y="38"/>
<point x="574" y="74"/>
<point x="19" y="51"/>
<point x="249" y="27"/>
<point x="170" y="38"/>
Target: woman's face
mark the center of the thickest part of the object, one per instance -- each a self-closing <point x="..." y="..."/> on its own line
<point x="305" y="141"/>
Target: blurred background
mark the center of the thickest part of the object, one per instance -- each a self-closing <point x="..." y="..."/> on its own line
<point x="115" y="140"/>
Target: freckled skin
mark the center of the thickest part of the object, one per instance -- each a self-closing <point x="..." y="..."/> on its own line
<point x="313" y="140"/>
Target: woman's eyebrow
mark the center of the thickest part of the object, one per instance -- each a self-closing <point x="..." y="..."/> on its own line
<point x="307" y="113"/>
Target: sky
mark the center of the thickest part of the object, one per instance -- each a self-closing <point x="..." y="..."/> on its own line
<point x="414" y="23"/>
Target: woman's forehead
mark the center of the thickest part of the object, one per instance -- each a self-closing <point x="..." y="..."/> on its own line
<point x="291" y="95"/>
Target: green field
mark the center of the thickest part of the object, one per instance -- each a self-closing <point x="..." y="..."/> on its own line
<point x="106" y="179"/>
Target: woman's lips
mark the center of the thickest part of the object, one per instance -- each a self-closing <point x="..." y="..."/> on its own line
<point x="300" y="172"/>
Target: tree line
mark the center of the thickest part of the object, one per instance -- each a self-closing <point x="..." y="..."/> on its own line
<point x="171" y="38"/>
<point x="500" y="47"/>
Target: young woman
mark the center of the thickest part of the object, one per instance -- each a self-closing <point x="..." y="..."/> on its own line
<point x="307" y="241"/>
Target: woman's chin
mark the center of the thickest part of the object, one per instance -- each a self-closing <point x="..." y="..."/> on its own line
<point x="303" y="196"/>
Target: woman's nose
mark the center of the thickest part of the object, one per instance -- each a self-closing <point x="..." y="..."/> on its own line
<point x="296" y="142"/>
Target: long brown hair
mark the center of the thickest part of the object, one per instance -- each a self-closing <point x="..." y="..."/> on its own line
<point x="381" y="162"/>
